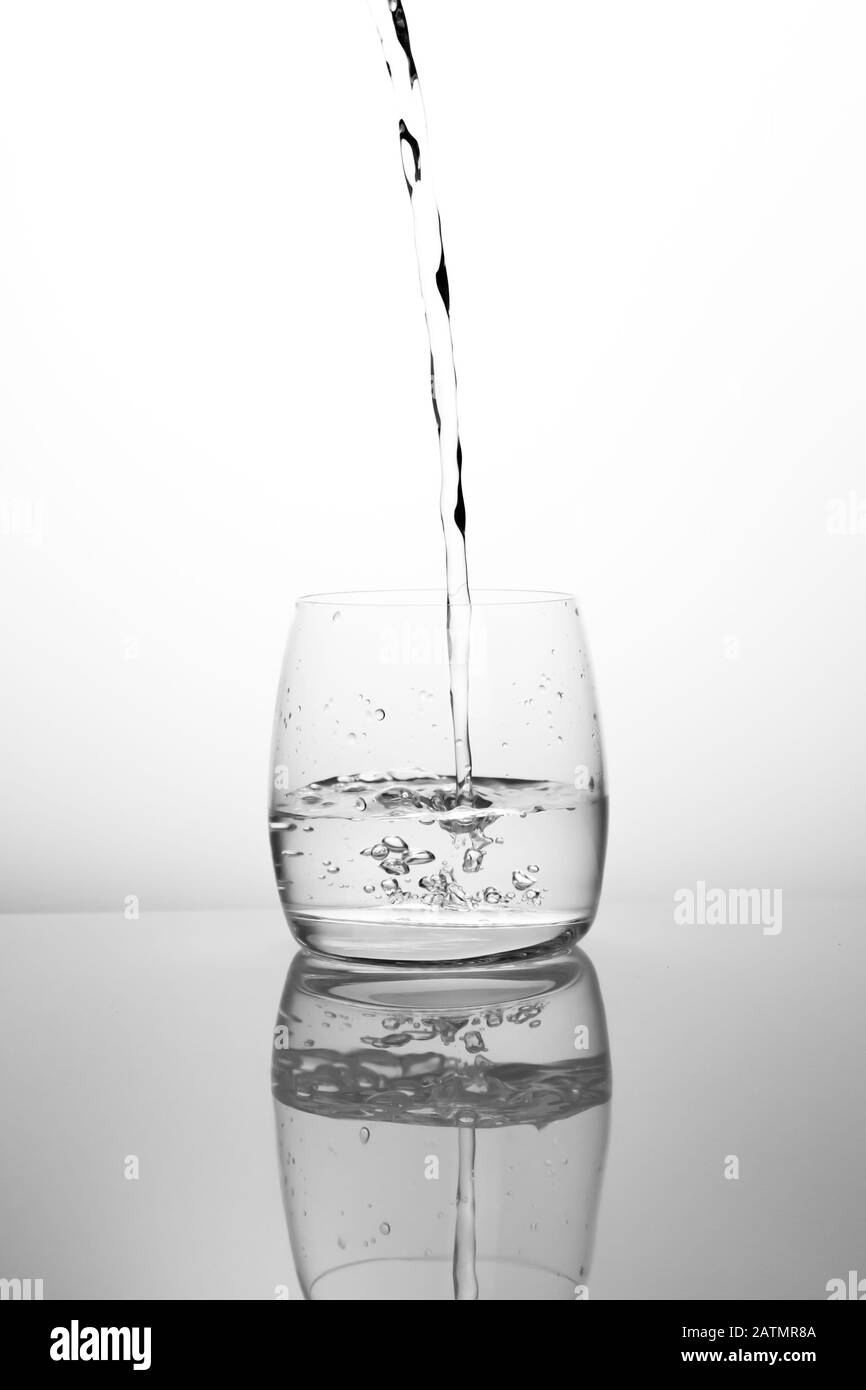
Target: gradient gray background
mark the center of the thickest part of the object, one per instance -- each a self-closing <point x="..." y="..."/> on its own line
<point x="213" y="381"/>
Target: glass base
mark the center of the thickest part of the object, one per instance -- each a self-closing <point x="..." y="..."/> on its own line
<point x="415" y="939"/>
<point x="431" y="1279"/>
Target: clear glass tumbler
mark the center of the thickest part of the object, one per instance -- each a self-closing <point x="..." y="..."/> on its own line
<point x="442" y="1134"/>
<point x="376" y="855"/>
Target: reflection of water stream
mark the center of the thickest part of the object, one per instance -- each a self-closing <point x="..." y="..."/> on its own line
<point x="374" y="1068"/>
<point x="465" y="1277"/>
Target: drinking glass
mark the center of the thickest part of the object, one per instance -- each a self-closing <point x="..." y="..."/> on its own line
<point x="442" y="1134"/>
<point x="377" y="855"/>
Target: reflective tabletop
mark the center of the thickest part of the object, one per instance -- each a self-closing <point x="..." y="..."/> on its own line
<point x="141" y="1155"/>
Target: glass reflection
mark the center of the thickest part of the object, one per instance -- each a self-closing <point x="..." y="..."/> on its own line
<point x="442" y="1136"/>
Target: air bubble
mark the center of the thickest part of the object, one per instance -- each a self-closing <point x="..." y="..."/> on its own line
<point x="364" y="1135"/>
<point x="521" y="881"/>
<point x="384" y="1228"/>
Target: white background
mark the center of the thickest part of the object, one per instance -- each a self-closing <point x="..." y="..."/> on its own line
<point x="214" y="398"/>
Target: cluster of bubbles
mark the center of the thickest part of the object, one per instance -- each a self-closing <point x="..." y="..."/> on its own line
<point x="400" y="1030"/>
<point x="441" y="889"/>
<point x="395" y="857"/>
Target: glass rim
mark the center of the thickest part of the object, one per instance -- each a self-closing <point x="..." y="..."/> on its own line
<point x="432" y="598"/>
